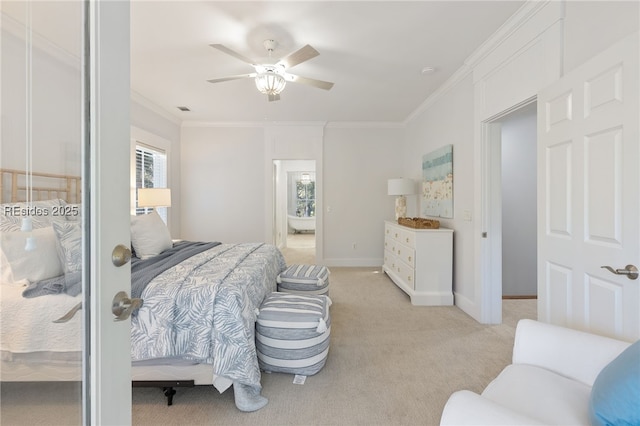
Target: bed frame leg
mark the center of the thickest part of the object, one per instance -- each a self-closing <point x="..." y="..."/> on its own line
<point x="169" y="392"/>
<point x="166" y="385"/>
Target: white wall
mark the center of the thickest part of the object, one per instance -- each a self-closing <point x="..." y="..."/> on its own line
<point x="592" y="26"/>
<point x="519" y="202"/>
<point x="161" y="131"/>
<point x="227" y="190"/>
<point x="357" y="163"/>
<point x="222" y="184"/>
<point x="449" y="121"/>
<point x="56" y="103"/>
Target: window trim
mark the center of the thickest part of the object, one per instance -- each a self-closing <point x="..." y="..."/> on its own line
<point x="147" y="139"/>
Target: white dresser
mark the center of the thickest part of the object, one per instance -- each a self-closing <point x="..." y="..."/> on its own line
<point x="420" y="262"/>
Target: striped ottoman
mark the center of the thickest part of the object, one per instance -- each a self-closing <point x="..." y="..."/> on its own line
<point x="304" y="279"/>
<point x="292" y="333"/>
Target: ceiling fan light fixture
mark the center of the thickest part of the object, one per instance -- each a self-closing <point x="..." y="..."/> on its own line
<point x="270" y="83"/>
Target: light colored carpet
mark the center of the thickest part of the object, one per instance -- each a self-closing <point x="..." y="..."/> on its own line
<point x="301" y="249"/>
<point x="390" y="363"/>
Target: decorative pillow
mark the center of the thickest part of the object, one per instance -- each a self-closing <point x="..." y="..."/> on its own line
<point x="39" y="264"/>
<point x="149" y="235"/>
<point x="615" y="396"/>
<point x="69" y="245"/>
<point x="70" y="212"/>
<point x="42" y="214"/>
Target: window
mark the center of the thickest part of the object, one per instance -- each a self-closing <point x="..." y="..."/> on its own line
<point x="151" y="172"/>
<point x="306" y="196"/>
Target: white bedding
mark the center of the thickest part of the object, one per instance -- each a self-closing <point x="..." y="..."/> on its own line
<point x="26" y="324"/>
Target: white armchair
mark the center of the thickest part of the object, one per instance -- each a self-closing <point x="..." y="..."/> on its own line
<point x="549" y="381"/>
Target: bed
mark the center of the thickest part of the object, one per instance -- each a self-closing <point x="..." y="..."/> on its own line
<point x="195" y="327"/>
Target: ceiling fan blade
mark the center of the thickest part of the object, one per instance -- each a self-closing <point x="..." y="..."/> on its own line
<point x="325" y="85"/>
<point x="232" y="77"/>
<point x="299" y="56"/>
<point x="233" y="53"/>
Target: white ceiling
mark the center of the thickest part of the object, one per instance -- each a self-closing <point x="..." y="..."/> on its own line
<point x="373" y="51"/>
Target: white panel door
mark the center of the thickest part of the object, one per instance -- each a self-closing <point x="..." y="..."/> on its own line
<point x="588" y="195"/>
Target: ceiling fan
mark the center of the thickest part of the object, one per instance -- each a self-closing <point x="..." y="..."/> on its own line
<point x="271" y="78"/>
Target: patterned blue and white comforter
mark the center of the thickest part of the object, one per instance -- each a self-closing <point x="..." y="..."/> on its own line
<point x="204" y="309"/>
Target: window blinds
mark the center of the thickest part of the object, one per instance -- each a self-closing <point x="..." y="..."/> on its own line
<point x="151" y="172"/>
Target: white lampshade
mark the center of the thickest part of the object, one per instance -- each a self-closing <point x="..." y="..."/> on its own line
<point x="154" y="197"/>
<point x="401" y="186"/>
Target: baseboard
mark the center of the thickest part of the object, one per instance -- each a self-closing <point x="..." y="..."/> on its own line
<point x="354" y="262"/>
<point x="519" y="297"/>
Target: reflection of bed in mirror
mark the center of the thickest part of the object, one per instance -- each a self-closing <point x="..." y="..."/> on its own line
<point x="211" y="283"/>
<point x="301" y="224"/>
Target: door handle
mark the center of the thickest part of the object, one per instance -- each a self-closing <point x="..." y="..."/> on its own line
<point x="121" y="255"/>
<point x="122" y="306"/>
<point x="630" y="271"/>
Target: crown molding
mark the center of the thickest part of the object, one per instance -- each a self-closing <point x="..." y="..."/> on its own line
<point x="17" y="29"/>
<point x="228" y="124"/>
<point x="365" y="125"/>
<point x="267" y="124"/>
<point x="150" y="105"/>
<point x="517" y="20"/>
<point x="451" y="82"/>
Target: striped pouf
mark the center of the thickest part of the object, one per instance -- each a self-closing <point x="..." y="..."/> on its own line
<point x="304" y="279"/>
<point x="292" y="333"/>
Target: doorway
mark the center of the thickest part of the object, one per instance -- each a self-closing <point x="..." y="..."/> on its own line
<point x="512" y="195"/>
<point x="295" y="209"/>
<point x="519" y="203"/>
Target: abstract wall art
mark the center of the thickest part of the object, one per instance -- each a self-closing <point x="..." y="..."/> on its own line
<point x="437" y="183"/>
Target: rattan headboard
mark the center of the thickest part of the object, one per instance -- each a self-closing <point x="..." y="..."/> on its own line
<point x="46" y="186"/>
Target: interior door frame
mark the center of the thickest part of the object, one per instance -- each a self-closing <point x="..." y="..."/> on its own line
<point x="281" y="170"/>
<point x="105" y="133"/>
<point x="491" y="221"/>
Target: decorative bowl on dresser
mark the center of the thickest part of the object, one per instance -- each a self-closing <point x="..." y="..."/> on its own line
<point x="420" y="262"/>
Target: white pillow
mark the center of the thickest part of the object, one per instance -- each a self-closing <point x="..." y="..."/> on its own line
<point x="37" y="265"/>
<point x="149" y="235"/>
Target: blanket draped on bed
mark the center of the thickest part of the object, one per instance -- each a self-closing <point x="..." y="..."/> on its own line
<point x="142" y="271"/>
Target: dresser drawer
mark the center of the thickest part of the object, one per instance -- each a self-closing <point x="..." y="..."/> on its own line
<point x="406" y="273"/>
<point x="407" y="255"/>
<point x="391" y="245"/>
<point x="407" y="237"/>
<point x="389" y="259"/>
<point x="388" y="230"/>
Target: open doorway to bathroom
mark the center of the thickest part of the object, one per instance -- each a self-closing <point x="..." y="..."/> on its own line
<point x="295" y="209"/>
